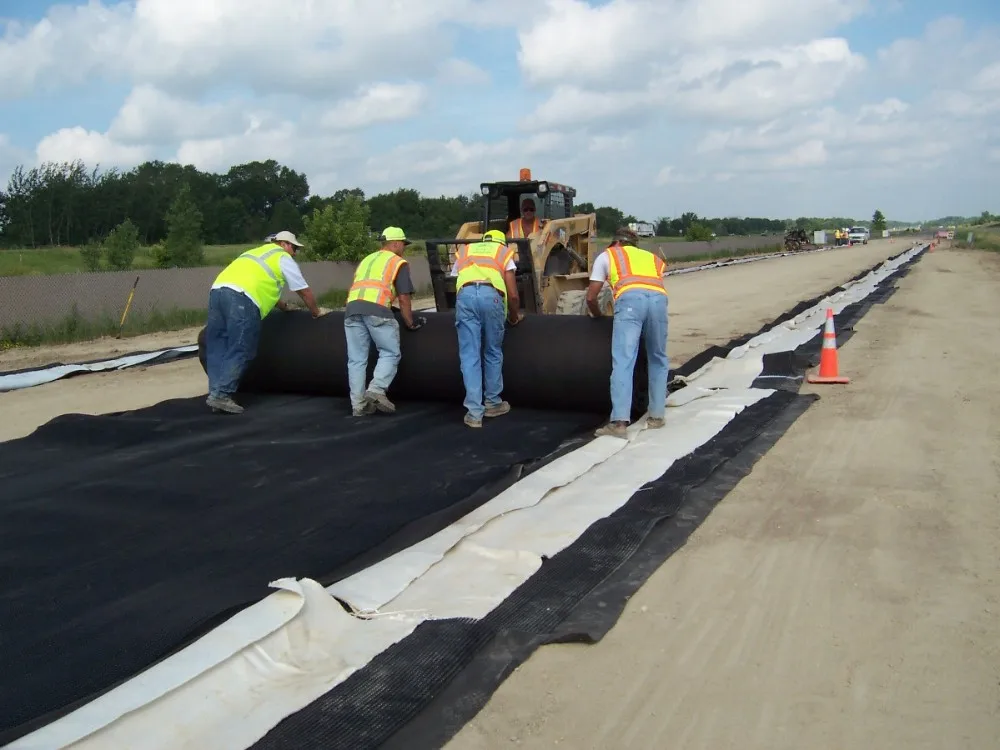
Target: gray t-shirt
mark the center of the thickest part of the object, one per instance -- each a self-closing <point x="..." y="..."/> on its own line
<point x="404" y="285"/>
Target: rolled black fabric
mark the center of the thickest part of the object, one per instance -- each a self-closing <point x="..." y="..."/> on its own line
<point x="555" y="362"/>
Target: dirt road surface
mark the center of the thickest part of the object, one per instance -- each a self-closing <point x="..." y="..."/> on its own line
<point x="706" y="308"/>
<point x="845" y="595"/>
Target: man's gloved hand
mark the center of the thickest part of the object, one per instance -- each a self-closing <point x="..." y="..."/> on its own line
<point x="516" y="320"/>
<point x="418" y="322"/>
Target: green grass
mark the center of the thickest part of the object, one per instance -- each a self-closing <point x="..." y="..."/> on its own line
<point x="983" y="238"/>
<point x="725" y="254"/>
<point x="46" y="261"/>
<point x="75" y="327"/>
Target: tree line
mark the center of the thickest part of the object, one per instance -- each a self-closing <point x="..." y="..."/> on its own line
<point x="175" y="209"/>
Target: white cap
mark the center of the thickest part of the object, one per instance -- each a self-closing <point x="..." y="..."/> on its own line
<point x="287" y="237"/>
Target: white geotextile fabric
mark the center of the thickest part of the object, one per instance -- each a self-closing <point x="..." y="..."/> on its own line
<point x="274" y="658"/>
<point x="16" y="381"/>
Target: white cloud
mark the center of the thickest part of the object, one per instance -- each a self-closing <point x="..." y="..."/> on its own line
<point x="613" y="42"/>
<point x="272" y="46"/>
<point x="718" y="59"/>
<point x="150" y="116"/>
<point x="658" y="106"/>
<point x="382" y="102"/>
<point x="70" y="144"/>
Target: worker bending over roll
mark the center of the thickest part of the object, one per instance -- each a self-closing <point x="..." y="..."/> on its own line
<point x="636" y="280"/>
<point x="380" y="279"/>
<point x="240" y="298"/>
<point x="486" y="294"/>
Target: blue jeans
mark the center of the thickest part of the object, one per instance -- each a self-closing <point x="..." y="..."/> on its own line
<point x="479" y="318"/>
<point x="361" y="332"/>
<point x="639" y="313"/>
<point x="231" y="337"/>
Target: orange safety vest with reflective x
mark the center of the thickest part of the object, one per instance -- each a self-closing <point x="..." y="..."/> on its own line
<point x="258" y="273"/>
<point x="484" y="261"/>
<point x="516" y="231"/>
<point x="633" y="268"/>
<point x="375" y="277"/>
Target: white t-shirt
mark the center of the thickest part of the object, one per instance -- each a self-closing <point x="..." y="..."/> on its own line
<point x="294" y="279"/>
<point x="602" y="267"/>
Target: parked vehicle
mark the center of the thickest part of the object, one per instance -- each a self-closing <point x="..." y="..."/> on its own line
<point x="858" y="234"/>
<point x="642" y="228"/>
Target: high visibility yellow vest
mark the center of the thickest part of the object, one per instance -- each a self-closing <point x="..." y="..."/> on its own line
<point x="483" y="261"/>
<point x="515" y="230"/>
<point x="258" y="273"/>
<point x="633" y="268"/>
<point x="375" y="277"/>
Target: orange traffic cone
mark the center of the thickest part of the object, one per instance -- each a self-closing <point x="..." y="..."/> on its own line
<point x="828" y="370"/>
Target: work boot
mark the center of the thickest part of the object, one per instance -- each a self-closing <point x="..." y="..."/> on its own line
<point x="655" y="423"/>
<point x="471" y="421"/>
<point x="364" y="410"/>
<point x="613" y="429"/>
<point x="381" y="401"/>
<point x="497" y="410"/>
<point x="223" y="404"/>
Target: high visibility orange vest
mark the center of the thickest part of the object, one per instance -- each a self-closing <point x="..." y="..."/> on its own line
<point x="483" y="261"/>
<point x="516" y="231"/>
<point x="633" y="268"/>
<point x="374" y="278"/>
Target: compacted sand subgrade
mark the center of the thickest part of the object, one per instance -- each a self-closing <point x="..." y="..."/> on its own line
<point x="846" y="594"/>
<point x="708" y="307"/>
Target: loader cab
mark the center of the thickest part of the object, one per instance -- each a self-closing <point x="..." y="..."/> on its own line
<point x="502" y="200"/>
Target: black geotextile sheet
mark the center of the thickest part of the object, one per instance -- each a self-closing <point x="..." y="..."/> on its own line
<point x="550" y="361"/>
<point x="421" y="691"/>
<point x="124" y="536"/>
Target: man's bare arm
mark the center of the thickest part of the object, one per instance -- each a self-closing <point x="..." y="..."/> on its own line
<point x="406" y="309"/>
<point x="594" y="289"/>
<point x="513" y="300"/>
<point x="307" y="297"/>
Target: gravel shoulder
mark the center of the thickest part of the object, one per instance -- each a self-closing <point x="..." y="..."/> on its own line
<point x="845" y="594"/>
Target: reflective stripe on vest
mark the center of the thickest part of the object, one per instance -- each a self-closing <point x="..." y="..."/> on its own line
<point x="516" y="232"/>
<point x="633" y="268"/>
<point x="374" y="278"/>
<point x="483" y="261"/>
<point x="261" y="280"/>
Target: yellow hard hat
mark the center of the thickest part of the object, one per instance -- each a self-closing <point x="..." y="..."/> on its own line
<point x="495" y="235"/>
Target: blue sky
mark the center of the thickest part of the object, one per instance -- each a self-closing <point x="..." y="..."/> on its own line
<point x="722" y="107"/>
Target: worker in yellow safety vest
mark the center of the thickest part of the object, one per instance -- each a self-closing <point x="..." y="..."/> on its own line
<point x="640" y="299"/>
<point x="241" y="296"/>
<point x="380" y="279"/>
<point x="486" y="294"/>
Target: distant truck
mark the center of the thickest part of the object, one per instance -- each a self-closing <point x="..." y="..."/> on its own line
<point x="643" y="228"/>
<point x="858" y="234"/>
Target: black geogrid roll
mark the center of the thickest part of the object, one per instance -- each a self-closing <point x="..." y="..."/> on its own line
<point x="421" y="691"/>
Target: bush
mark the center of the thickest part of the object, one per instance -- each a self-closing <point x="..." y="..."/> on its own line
<point x="121" y="245"/>
<point x="339" y="231"/>
<point x="182" y="246"/>
<point x="91" y="254"/>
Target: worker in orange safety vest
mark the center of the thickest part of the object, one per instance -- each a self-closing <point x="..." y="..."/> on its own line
<point x="527" y="224"/>
<point x="380" y="278"/>
<point x="640" y="299"/>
